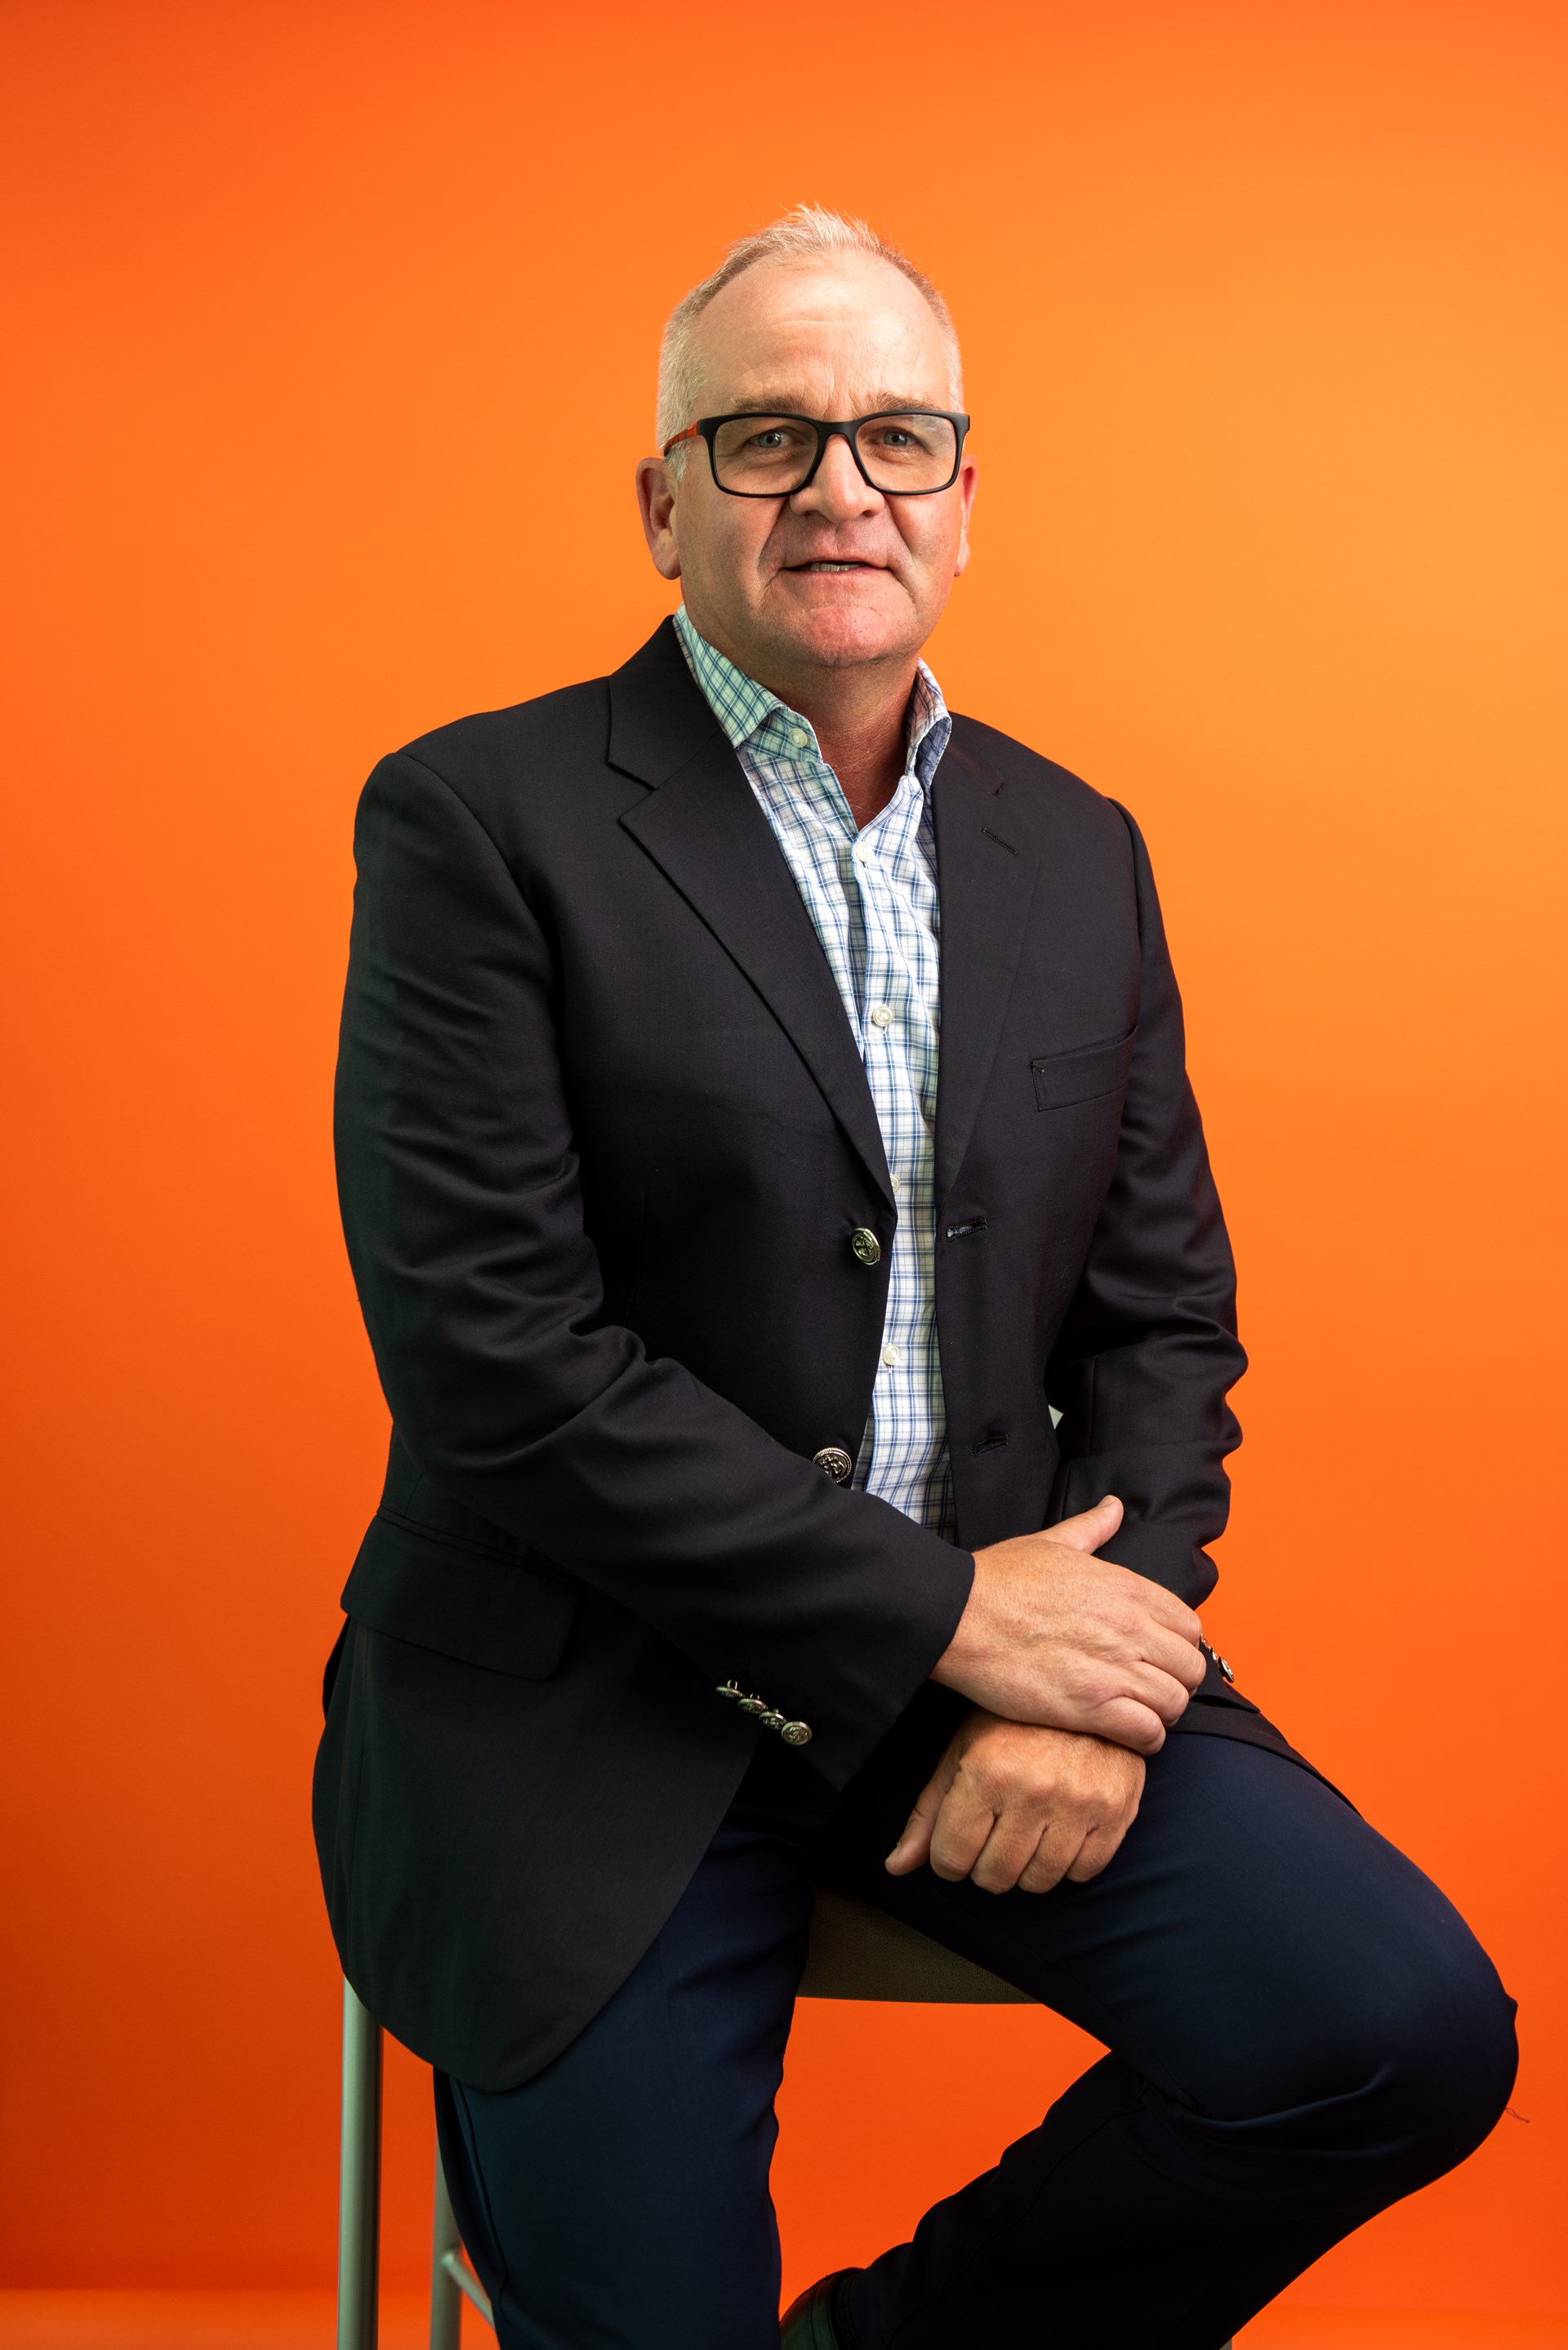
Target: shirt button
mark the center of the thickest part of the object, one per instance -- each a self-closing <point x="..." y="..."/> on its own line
<point x="799" y="737"/>
<point x="836" y="1461"/>
<point x="881" y="1016"/>
<point x="892" y="1357"/>
<point x="867" y="1246"/>
<point x="894" y="1180"/>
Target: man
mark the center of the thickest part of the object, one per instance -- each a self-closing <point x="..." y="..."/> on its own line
<point x="775" y="1196"/>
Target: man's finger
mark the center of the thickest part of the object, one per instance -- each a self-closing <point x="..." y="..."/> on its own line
<point x="1173" y="1655"/>
<point x="1101" y="1844"/>
<point x="1162" y="1692"/>
<point x="1125" y="1723"/>
<point x="1009" y="1848"/>
<point x="1090" y="1528"/>
<point x="914" y="1845"/>
<point x="1055" y="1855"/>
<point x="1168" y="1609"/>
<point x="962" y="1825"/>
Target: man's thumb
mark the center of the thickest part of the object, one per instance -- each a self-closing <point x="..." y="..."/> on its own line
<point x="914" y="1844"/>
<point x="1090" y="1528"/>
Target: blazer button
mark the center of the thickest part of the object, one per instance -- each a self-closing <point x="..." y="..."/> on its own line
<point x="836" y="1461"/>
<point x="867" y="1246"/>
<point x="796" y="1733"/>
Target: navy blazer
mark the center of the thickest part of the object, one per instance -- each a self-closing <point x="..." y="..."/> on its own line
<point x="603" y="1136"/>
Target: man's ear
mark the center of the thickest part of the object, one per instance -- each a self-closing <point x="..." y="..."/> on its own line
<point x="967" y="482"/>
<point x="655" y="504"/>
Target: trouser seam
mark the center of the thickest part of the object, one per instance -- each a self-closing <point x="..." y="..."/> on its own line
<point x="476" y="2177"/>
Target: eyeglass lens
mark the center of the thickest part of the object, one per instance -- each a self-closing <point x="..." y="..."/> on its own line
<point x="770" y="456"/>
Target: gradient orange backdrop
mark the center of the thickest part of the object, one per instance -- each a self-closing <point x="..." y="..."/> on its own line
<point x="333" y="346"/>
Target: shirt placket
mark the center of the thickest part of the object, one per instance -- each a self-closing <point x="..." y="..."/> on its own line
<point x="892" y="1028"/>
<point x="877" y="924"/>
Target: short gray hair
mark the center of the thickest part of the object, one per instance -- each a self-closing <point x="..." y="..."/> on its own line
<point x="807" y="233"/>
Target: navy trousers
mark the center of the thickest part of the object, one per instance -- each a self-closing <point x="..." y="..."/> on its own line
<point x="1302" y="2029"/>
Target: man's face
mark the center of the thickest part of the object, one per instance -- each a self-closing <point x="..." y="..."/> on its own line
<point x="836" y="575"/>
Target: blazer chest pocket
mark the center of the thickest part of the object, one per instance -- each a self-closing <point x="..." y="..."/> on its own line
<point x="482" y="1608"/>
<point x="1084" y="1074"/>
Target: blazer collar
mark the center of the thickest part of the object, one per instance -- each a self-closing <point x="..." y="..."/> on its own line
<point x="658" y="714"/>
<point x="988" y="857"/>
<point x="700" y="824"/>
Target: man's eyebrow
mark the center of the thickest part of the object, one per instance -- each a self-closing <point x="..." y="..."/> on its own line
<point x="793" y="402"/>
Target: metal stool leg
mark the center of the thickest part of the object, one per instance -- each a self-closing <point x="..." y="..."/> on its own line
<point x="446" y="2293"/>
<point x="452" y="2278"/>
<point x="359" y="2178"/>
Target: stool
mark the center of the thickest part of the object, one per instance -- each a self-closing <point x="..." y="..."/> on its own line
<point x="855" y="1952"/>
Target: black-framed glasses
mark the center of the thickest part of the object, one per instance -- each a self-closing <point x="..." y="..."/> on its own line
<point x="904" y="453"/>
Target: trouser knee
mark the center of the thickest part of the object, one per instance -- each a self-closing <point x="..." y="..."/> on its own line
<point x="1398" y="2058"/>
<point x="1436" y="2058"/>
<point x="1457" y="2066"/>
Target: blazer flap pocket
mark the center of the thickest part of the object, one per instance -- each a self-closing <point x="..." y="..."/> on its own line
<point x="1080" y="1075"/>
<point x="445" y="1596"/>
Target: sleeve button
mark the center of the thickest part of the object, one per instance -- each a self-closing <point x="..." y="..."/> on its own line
<point x="796" y="1733"/>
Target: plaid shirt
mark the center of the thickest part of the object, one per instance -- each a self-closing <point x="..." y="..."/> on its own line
<point x="872" y="899"/>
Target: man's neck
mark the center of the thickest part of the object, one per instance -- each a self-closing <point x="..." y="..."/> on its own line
<point x="859" y="714"/>
<point x="863" y="736"/>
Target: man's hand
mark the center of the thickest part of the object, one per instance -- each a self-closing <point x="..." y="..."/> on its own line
<point x="1013" y="1804"/>
<point x="1054" y="1636"/>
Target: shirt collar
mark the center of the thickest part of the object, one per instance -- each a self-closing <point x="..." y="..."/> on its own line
<point x="744" y="708"/>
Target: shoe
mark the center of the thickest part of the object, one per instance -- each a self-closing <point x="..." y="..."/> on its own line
<point x="808" y="2323"/>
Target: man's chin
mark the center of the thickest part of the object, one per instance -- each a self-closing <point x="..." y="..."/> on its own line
<point x="842" y="628"/>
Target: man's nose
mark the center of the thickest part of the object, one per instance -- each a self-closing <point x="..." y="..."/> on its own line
<point x="840" y="490"/>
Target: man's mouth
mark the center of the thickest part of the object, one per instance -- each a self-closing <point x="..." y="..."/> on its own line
<point x="851" y="564"/>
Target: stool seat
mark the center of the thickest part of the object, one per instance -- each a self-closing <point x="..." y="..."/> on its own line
<point x="860" y="1953"/>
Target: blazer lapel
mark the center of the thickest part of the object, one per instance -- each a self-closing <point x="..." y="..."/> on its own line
<point x="702" y="825"/>
<point x="987" y="858"/>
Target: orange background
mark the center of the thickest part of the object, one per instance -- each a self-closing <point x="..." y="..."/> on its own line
<point x="336" y="329"/>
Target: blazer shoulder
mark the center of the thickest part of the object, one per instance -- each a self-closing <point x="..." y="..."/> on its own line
<point x="564" y="731"/>
<point x="1054" y="790"/>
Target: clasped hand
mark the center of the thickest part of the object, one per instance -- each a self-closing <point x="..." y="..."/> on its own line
<point x="1012" y="1803"/>
<point x="1077" y="1668"/>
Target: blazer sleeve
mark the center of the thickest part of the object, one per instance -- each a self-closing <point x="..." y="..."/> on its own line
<point x="1149" y="1350"/>
<point x="481" y="1295"/>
